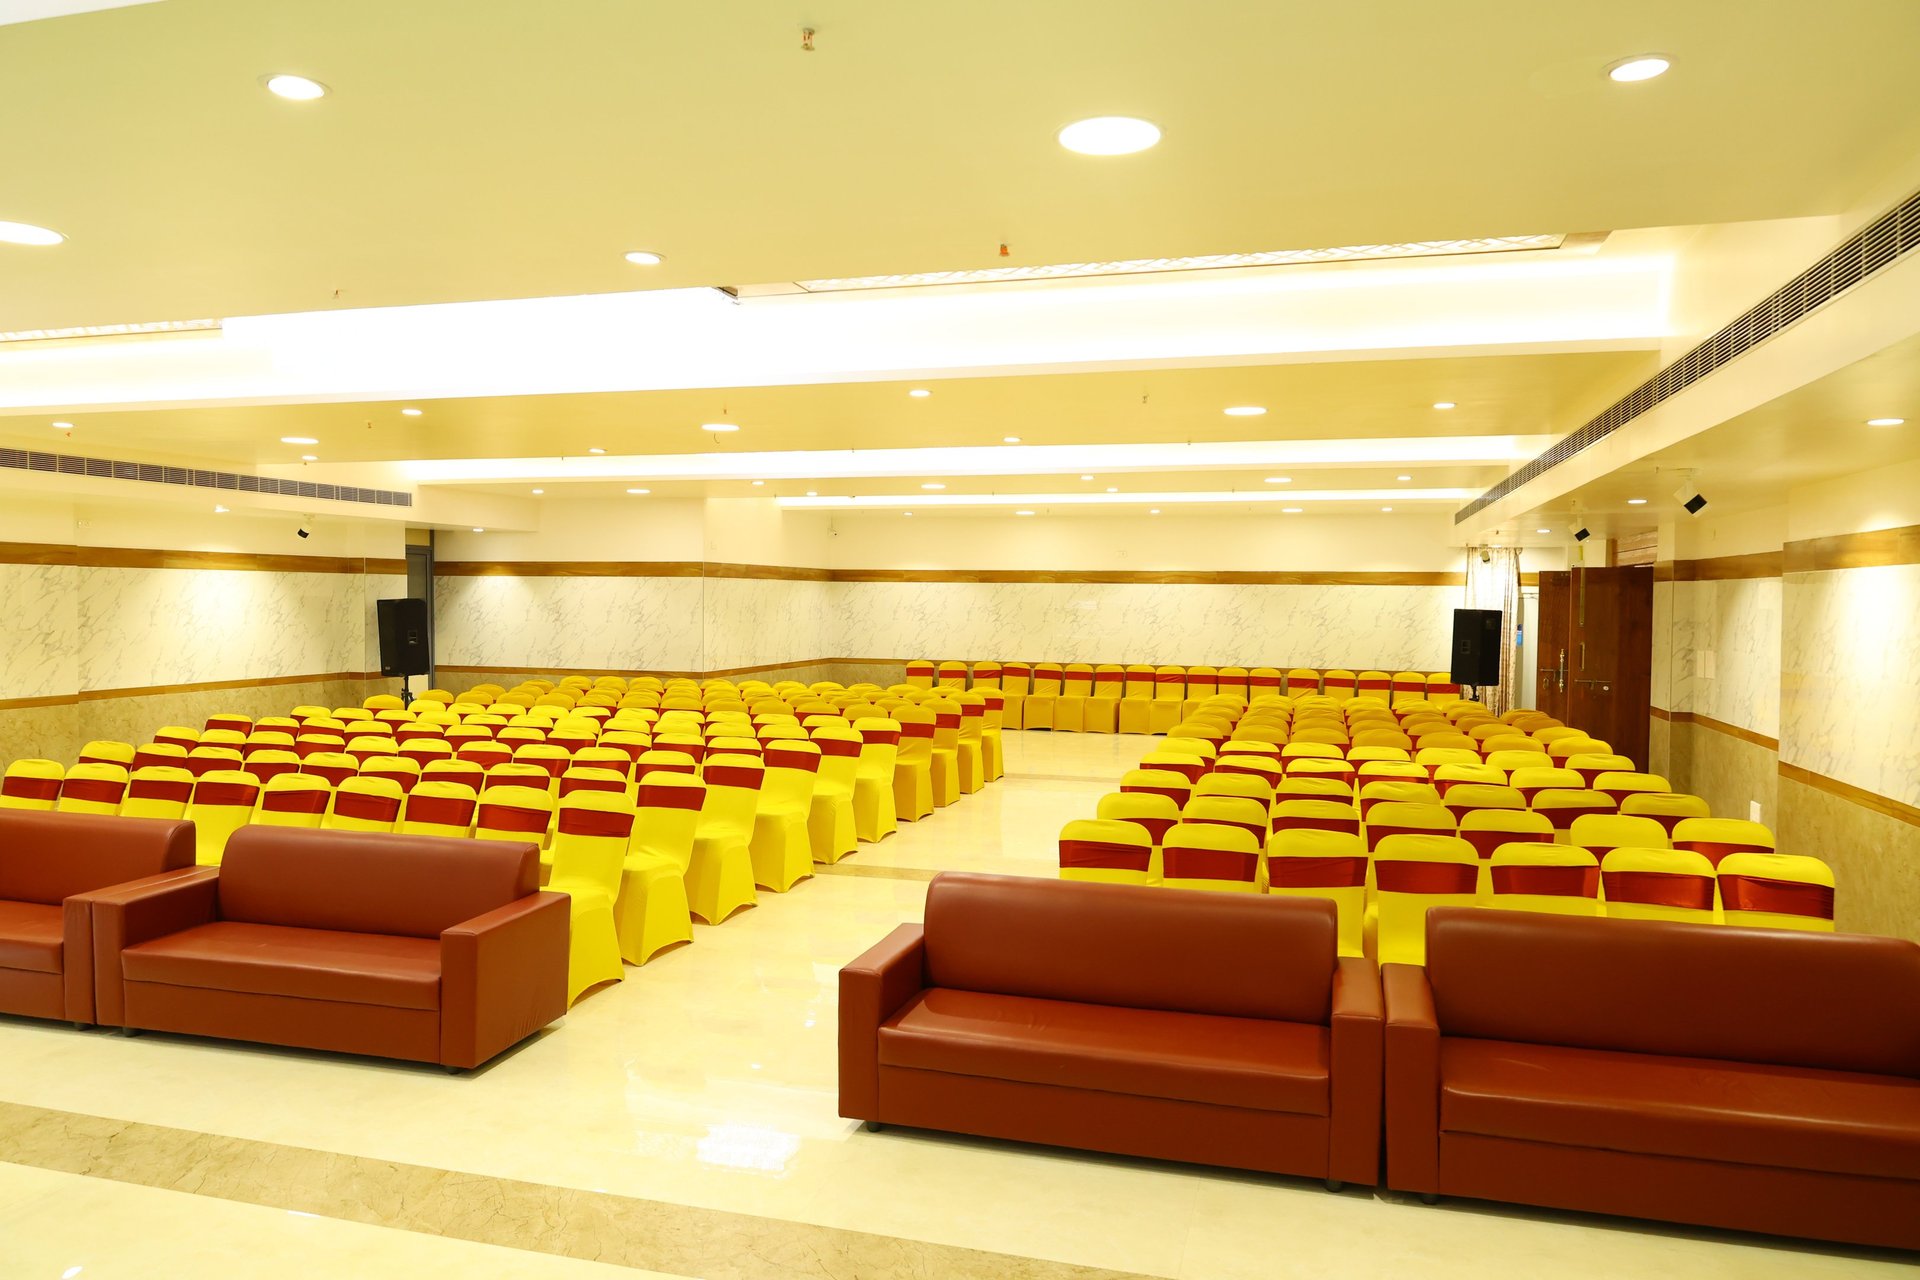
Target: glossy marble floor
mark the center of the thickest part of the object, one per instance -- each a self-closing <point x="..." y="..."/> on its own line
<point x="683" y="1123"/>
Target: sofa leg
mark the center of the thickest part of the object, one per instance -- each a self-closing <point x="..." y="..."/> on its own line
<point x="874" y="1126"/>
<point x="1334" y="1184"/>
<point x="455" y="1071"/>
<point x="82" y="1026"/>
<point x="1429" y="1197"/>
<point x="129" y="1032"/>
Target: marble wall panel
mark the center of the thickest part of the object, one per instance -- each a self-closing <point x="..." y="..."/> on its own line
<point x="1738" y="622"/>
<point x="1875" y="858"/>
<point x="1850" y="677"/>
<point x="749" y="622"/>
<point x="616" y="624"/>
<point x="39" y="631"/>
<point x="148" y="627"/>
<point x="1729" y="773"/>
<point x="39" y="733"/>
<point x="1660" y="692"/>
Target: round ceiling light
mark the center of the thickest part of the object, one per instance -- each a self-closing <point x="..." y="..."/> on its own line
<point x="309" y="457"/>
<point x="1636" y="502"/>
<point x="596" y="449"/>
<point x="1543" y="531"/>
<point x="640" y="492"/>
<point x="411" y="413"/>
<point x="719" y="426"/>
<point x="478" y="529"/>
<point x="1109" y="136"/>
<point x="28" y="234"/>
<point x="758" y="483"/>
<point x="1245" y="411"/>
<point x="538" y="492"/>
<point x="1872" y="422"/>
<point x="295" y="88"/>
<point x="1387" y="510"/>
<point x="1291" y="511"/>
<point x="1279" y="479"/>
<point x="298" y="440"/>
<point x="1023" y="513"/>
<point x="642" y="258"/>
<point x="919" y="393"/>
<point x="1443" y="404"/>
<point x="1642" y="66"/>
<point x="1403" y="477"/>
<point x="1009" y="439"/>
<point x="933" y="484"/>
<point x="63" y="426"/>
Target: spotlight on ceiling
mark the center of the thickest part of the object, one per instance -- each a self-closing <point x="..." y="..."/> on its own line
<point x="1642" y="66"/>
<point x="1109" y="136"/>
<point x="642" y="258"/>
<point x="294" y="88"/>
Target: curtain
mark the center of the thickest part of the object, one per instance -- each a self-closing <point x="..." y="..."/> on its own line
<point x="1495" y="584"/>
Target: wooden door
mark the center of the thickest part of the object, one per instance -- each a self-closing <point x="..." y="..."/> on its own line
<point x="1596" y="653"/>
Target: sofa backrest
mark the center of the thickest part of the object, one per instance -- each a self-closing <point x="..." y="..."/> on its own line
<point x="47" y="857"/>
<point x="1841" y="1002"/>
<point x="368" y="882"/>
<point x="1237" y="955"/>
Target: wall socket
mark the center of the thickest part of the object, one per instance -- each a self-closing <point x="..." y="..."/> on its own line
<point x="1753" y="811"/>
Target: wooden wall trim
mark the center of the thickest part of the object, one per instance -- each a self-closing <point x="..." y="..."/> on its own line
<point x="162" y="690"/>
<point x="1718" y="726"/>
<point x="1885" y="805"/>
<point x="1874" y="549"/>
<point x="1759" y="564"/>
<point x="567" y="568"/>
<point x="23" y="704"/>
<point x="143" y="558"/>
<point x="697" y="569"/>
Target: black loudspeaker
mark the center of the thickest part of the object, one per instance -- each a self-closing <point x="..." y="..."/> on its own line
<point x="1476" y="646"/>
<point x="403" y="638"/>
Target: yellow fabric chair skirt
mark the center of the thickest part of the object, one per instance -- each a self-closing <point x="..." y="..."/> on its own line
<point x="912" y="789"/>
<point x="831" y="823"/>
<point x="1214" y="886"/>
<point x="593" y="946"/>
<point x="1551" y="904"/>
<point x="1162" y="715"/>
<point x="1135" y="715"/>
<point x="781" y="850"/>
<point x="971" y="760"/>
<point x="873" y="807"/>
<point x="1101" y="714"/>
<point x="945" y="776"/>
<point x="1070" y="713"/>
<point x="719" y="878"/>
<point x="993" y="755"/>
<point x="1013" y="711"/>
<point x="1037" y="710"/>
<point x="651" y="913"/>
<point x="1108" y="875"/>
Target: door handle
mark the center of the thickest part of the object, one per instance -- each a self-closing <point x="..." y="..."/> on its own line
<point x="1560" y="676"/>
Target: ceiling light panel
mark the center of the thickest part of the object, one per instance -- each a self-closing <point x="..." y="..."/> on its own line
<point x="892" y="501"/>
<point x="111" y="330"/>
<point x="1197" y="262"/>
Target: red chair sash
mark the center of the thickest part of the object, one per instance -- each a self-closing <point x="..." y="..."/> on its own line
<point x="1425" y="877"/>
<point x="1209" y="864"/>
<point x="911" y="729"/>
<point x="1176" y="794"/>
<point x="1255" y="829"/>
<point x="298" y="801"/>
<point x="800" y="761"/>
<point x="366" y="807"/>
<point x="1263" y="682"/>
<point x="1562" y="819"/>
<point x="946" y="719"/>
<point x="1102" y="855"/>
<point x="226" y="794"/>
<point x="570" y="785"/>
<point x="726" y="775"/>
<point x="1660" y="889"/>
<point x="1714" y="850"/>
<point x="973" y="710"/>
<point x="1485" y="842"/>
<point x="93" y="790"/>
<point x="1345" y="872"/>
<point x="440" y="811"/>
<point x="19" y="787"/>
<point x="507" y="817"/>
<point x="643" y="769"/>
<point x="177" y="740"/>
<point x="1777" y="897"/>
<point x="167" y="790"/>
<point x="1164" y="677"/>
<point x="596" y="822"/>
<point x="658" y="797"/>
<point x="880" y="737"/>
<point x="839" y="748"/>
<point x="268" y="770"/>
<point x="1108" y="677"/>
<point x="1548" y="882"/>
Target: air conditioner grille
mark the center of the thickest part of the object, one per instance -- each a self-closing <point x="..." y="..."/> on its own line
<point x="68" y="464"/>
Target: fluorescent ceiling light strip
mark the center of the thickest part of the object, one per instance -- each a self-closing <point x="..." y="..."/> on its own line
<point x="1201" y="262"/>
<point x="918" y="501"/>
<point x="984" y="460"/>
<point x="111" y="330"/>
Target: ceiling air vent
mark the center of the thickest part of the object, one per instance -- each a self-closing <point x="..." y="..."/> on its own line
<point x="1875" y="246"/>
<point x="68" y="464"/>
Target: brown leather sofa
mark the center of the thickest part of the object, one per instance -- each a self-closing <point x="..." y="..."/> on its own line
<point x="414" y="947"/>
<point x="49" y="862"/>
<point x="1755" y="1079"/>
<point x="1214" y="1028"/>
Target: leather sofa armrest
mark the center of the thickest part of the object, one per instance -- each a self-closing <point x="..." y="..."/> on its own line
<point x="1412" y="1080"/>
<point x="1354" y="1146"/>
<point x="126" y="915"/>
<point x="872" y="989"/>
<point x="503" y="976"/>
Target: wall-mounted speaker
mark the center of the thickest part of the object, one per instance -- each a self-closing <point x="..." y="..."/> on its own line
<point x="1476" y="646"/>
<point x="404" y="650"/>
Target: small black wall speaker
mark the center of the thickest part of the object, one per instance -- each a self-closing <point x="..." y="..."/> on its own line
<point x="403" y="638"/>
<point x="1476" y="646"/>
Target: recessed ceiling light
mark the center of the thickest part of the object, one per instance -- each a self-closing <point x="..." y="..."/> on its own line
<point x="919" y="393"/>
<point x="907" y="513"/>
<point x="298" y="440"/>
<point x="1154" y="512"/>
<point x="219" y="510"/>
<point x="1279" y="479"/>
<point x="596" y="449"/>
<point x="641" y="258"/>
<point x="1642" y="66"/>
<point x="295" y="88"/>
<point x="813" y="493"/>
<point x="1872" y="422"/>
<point x="1403" y="477"/>
<point x="1245" y="411"/>
<point x="28" y="234"/>
<point x="1009" y="439"/>
<point x="931" y="484"/>
<point x="478" y="529"/>
<point x="1109" y="136"/>
<point x="411" y="413"/>
<point x="640" y="491"/>
<point x="1291" y="511"/>
<point x="1389" y="510"/>
<point x="758" y="483"/>
<point x="1444" y="404"/>
<point x="538" y="492"/>
<point x="719" y="426"/>
<point x="1023" y="513"/>
<point x="1636" y="502"/>
<point x="1111" y="489"/>
<point x="1082" y="477"/>
<point x="309" y="457"/>
<point x="63" y="426"/>
<point x="1543" y="531"/>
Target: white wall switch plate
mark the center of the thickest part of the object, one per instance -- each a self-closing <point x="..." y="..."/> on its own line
<point x="1753" y="811"/>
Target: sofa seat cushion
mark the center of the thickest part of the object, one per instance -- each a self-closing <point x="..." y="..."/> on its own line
<point x="31" y="934"/>
<point x="1254" y="1063"/>
<point x="307" y="964"/>
<point x="1694" y="1108"/>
